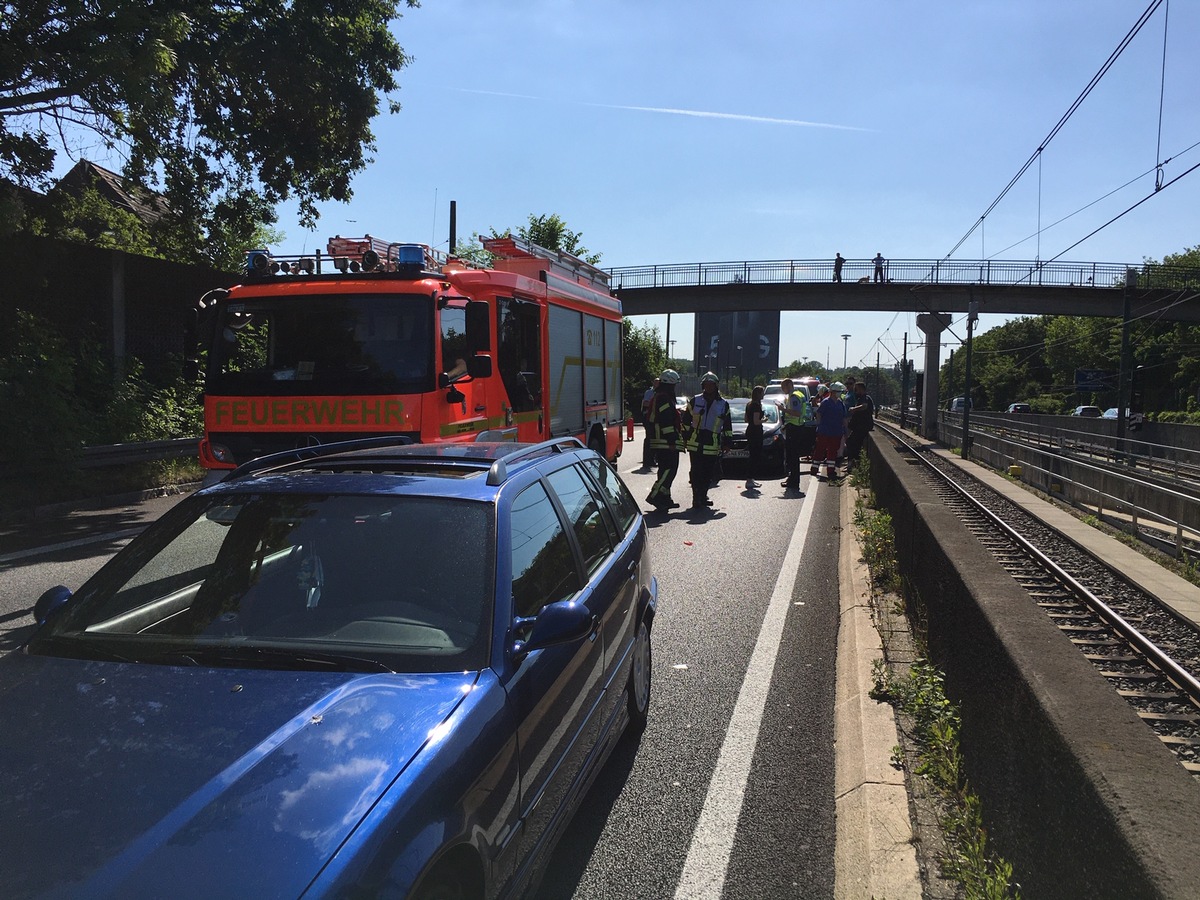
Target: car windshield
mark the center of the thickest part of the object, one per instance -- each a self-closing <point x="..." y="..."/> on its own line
<point x="285" y="580"/>
<point x="737" y="412"/>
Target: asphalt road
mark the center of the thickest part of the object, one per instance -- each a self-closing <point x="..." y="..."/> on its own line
<point x="729" y="792"/>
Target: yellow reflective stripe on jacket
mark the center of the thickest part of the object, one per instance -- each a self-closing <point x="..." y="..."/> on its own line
<point x="714" y="420"/>
<point x="662" y="419"/>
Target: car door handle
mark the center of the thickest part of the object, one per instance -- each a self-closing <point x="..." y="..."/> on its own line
<point x="595" y="628"/>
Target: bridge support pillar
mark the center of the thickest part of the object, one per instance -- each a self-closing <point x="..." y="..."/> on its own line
<point x="933" y="324"/>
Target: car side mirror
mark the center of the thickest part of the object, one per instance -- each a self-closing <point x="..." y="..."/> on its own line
<point x="479" y="367"/>
<point x="50" y="603"/>
<point x="558" y="623"/>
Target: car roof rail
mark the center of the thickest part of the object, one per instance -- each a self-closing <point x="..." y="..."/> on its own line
<point x="498" y="473"/>
<point x="301" y="454"/>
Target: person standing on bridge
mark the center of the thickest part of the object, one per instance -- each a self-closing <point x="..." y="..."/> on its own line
<point x="879" y="261"/>
<point x="838" y="262"/>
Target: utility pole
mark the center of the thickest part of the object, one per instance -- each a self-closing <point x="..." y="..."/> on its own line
<point x="972" y="315"/>
<point x="1125" y="377"/>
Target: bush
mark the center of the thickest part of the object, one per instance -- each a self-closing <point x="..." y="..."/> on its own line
<point x="46" y="425"/>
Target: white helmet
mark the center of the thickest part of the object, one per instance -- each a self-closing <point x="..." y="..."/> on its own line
<point x="669" y="376"/>
<point x="709" y="376"/>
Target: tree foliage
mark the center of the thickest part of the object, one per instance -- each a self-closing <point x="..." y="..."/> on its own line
<point x="644" y="360"/>
<point x="547" y="230"/>
<point x="1034" y="360"/>
<point x="227" y="108"/>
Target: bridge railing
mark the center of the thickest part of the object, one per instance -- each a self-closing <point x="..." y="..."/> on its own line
<point x="907" y="271"/>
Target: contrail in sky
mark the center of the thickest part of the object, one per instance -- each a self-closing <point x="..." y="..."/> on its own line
<point x="696" y="113"/>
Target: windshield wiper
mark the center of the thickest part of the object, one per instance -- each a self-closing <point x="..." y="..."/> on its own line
<point x="299" y="659"/>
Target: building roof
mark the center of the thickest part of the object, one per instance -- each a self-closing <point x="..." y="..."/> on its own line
<point x="146" y="205"/>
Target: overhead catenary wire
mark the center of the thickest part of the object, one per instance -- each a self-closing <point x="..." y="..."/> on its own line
<point x="1162" y="90"/>
<point x="1108" y="63"/>
<point x="1099" y="199"/>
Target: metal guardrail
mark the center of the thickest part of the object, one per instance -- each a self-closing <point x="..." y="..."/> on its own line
<point x="125" y="454"/>
<point x="1067" y="464"/>
<point x="907" y="271"/>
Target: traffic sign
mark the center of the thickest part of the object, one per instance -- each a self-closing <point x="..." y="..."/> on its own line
<point x="1094" y="379"/>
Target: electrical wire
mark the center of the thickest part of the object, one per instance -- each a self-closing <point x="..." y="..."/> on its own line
<point x="1162" y="89"/>
<point x="1108" y="63"/>
<point x="1088" y="206"/>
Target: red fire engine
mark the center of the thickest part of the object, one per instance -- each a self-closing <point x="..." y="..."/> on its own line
<point x="382" y="338"/>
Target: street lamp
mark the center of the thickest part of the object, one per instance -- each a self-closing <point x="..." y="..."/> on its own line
<point x="845" y="350"/>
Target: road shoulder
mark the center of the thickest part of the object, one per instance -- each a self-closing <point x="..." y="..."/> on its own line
<point x="875" y="855"/>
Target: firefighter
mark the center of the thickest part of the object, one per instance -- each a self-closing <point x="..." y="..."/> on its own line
<point x="664" y="439"/>
<point x="712" y="432"/>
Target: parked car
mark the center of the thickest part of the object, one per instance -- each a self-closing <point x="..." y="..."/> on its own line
<point x="773" y="444"/>
<point x="1087" y="412"/>
<point x="1111" y="413"/>
<point x="959" y="404"/>
<point x="353" y="670"/>
<point x="1019" y="408"/>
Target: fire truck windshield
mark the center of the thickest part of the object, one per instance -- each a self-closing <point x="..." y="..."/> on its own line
<point x="323" y="344"/>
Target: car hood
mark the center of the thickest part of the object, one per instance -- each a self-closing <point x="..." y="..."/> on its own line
<point x="139" y="780"/>
<point x="739" y="428"/>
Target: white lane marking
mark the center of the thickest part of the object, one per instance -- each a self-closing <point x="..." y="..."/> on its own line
<point x="69" y="545"/>
<point x="703" y="875"/>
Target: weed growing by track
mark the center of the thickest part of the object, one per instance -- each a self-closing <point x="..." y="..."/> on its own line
<point x="930" y="723"/>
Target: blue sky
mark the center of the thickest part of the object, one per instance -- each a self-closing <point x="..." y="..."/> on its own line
<point x="673" y="132"/>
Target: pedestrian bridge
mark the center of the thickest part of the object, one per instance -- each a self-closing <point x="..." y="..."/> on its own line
<point x="1006" y="287"/>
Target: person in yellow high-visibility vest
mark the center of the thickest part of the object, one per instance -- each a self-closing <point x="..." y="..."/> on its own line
<point x="796" y="413"/>
<point x="712" y="432"/>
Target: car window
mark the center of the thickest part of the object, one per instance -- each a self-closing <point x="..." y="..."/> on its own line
<point x="583" y="512"/>
<point x="375" y="576"/>
<point x="543" y="564"/>
<point x="623" y="505"/>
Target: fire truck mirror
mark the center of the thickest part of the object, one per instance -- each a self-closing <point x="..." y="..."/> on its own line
<point x="478" y="326"/>
<point x="455" y="396"/>
<point x="480" y="367"/>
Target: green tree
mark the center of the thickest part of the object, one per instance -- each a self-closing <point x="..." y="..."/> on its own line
<point x="230" y="108"/>
<point x="549" y="231"/>
<point x="644" y="361"/>
<point x="88" y="218"/>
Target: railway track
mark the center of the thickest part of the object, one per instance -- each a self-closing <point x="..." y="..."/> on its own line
<point x="1145" y="489"/>
<point x="1150" y="655"/>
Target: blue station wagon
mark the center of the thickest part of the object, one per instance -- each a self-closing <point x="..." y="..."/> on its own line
<point x="363" y="669"/>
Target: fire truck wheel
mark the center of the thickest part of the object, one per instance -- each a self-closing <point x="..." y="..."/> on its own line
<point x="596" y="443"/>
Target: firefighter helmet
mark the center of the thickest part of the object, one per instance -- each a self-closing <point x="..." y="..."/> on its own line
<point x="669" y="376"/>
<point x="709" y="376"/>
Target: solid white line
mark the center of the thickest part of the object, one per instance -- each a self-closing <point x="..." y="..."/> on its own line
<point x="703" y="875"/>
<point x="69" y="545"/>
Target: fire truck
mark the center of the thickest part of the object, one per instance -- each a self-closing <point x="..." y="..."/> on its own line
<point x="376" y="338"/>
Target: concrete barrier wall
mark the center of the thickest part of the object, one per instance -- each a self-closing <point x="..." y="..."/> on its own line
<point x="1077" y="792"/>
